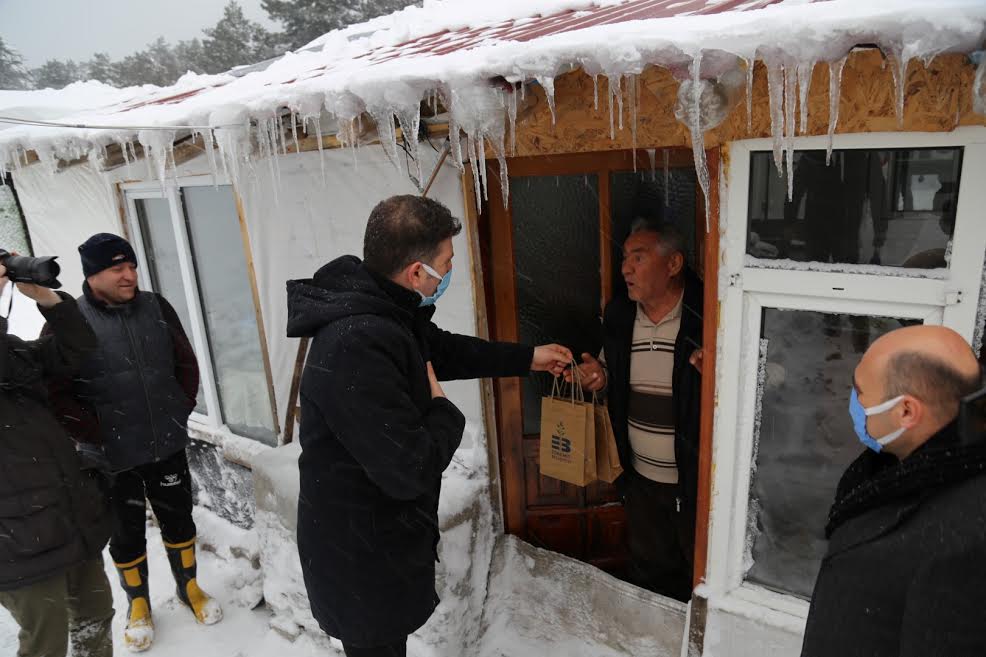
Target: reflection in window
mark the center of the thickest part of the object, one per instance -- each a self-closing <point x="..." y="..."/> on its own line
<point x="227" y="305"/>
<point x="557" y="275"/>
<point x="161" y="250"/>
<point x="643" y="194"/>
<point x="891" y="207"/>
<point x="805" y="438"/>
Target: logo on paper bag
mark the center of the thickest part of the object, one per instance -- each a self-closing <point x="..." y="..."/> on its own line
<point x="561" y="447"/>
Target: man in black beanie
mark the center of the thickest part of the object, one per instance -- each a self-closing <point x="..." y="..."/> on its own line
<point x="132" y="399"/>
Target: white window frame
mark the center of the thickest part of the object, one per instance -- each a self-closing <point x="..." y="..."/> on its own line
<point x="211" y="425"/>
<point x="951" y="299"/>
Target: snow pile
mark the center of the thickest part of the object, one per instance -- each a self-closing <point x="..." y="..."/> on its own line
<point x="384" y="68"/>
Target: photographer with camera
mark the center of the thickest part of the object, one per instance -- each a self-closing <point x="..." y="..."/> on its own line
<point x="53" y="522"/>
<point x="904" y="572"/>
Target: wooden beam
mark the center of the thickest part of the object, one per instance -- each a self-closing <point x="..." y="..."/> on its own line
<point x="509" y="393"/>
<point x="710" y="313"/>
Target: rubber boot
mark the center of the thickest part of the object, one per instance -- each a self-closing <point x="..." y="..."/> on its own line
<point x="139" y="633"/>
<point x="181" y="556"/>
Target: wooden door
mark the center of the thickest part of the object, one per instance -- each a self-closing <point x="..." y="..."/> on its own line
<point x="552" y="262"/>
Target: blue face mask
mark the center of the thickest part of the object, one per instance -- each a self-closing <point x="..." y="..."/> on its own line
<point x="859" y="415"/>
<point x="442" y="286"/>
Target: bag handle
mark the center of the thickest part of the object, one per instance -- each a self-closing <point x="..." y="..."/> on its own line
<point x="558" y="388"/>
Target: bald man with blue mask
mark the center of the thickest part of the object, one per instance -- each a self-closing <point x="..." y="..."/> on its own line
<point x="904" y="572"/>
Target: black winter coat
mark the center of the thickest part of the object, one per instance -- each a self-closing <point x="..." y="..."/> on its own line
<point x="686" y="383"/>
<point x="133" y="395"/>
<point x="374" y="446"/>
<point x="905" y="571"/>
<point x="52" y="514"/>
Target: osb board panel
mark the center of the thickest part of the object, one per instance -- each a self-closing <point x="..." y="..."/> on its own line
<point x="938" y="98"/>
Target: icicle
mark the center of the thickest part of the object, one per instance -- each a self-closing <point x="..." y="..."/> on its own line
<point x="321" y="150"/>
<point x="979" y="87"/>
<point x="481" y="156"/>
<point x="632" y="87"/>
<point x="595" y="91"/>
<point x="388" y="135"/>
<point x="294" y="131"/>
<point x="157" y="145"/>
<point x="281" y="135"/>
<point x="410" y="121"/>
<point x="547" y="83"/>
<point x="612" y="122"/>
<point x="804" y="86"/>
<point x="473" y="162"/>
<point x="209" y="144"/>
<point x="698" y="139"/>
<point x="618" y="93"/>
<point x="790" y="98"/>
<point x="775" y="87"/>
<point x="899" y="70"/>
<point x="835" y="91"/>
<point x="750" y="65"/>
<point x="652" y="156"/>
<point x="667" y="178"/>
<point x="512" y="118"/>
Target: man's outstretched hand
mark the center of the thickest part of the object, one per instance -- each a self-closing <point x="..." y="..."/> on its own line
<point x="552" y="358"/>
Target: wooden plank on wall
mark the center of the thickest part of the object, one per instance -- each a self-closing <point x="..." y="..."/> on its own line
<point x="710" y="313"/>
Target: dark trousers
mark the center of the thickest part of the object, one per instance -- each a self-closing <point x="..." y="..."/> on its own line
<point x="661" y="537"/>
<point x="167" y="485"/>
<point x="398" y="649"/>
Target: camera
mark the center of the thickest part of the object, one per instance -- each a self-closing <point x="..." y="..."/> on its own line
<point x="41" y="271"/>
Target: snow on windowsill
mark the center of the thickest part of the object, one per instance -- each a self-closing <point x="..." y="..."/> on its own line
<point x="234" y="448"/>
<point x="843" y="268"/>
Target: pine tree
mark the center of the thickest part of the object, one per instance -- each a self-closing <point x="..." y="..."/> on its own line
<point x="55" y="74"/>
<point x="234" y="41"/>
<point x="100" y="68"/>
<point x="13" y="75"/>
<point x="306" y="20"/>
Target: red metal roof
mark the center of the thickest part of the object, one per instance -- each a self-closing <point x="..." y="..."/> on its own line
<point x="521" y="29"/>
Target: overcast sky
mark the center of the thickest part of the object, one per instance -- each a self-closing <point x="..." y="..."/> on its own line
<point x="75" y="29"/>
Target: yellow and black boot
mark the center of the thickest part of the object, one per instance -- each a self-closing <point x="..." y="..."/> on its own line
<point x="181" y="556"/>
<point x="139" y="633"/>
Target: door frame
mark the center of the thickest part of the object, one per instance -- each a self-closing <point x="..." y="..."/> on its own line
<point x="948" y="297"/>
<point x="496" y="221"/>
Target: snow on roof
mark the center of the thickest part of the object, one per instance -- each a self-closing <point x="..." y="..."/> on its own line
<point x="387" y="66"/>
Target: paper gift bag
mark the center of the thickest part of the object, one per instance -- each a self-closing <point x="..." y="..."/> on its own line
<point x="568" y="437"/>
<point x="608" y="466"/>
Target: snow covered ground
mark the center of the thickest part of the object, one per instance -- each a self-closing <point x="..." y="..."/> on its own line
<point x="242" y="633"/>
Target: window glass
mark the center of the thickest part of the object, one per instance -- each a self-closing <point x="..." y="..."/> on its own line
<point x="558" y="290"/>
<point x="891" y="207"/>
<point x="228" y="308"/>
<point x="161" y="251"/>
<point x="804" y="438"/>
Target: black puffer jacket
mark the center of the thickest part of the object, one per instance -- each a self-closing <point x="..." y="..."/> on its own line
<point x="904" y="575"/>
<point x="374" y="445"/>
<point x="686" y="383"/>
<point x="52" y="514"/>
<point x="135" y="392"/>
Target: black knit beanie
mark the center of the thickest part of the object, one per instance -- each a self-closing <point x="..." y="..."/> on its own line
<point x="105" y="250"/>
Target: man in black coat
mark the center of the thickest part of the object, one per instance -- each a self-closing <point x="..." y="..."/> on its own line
<point x="53" y="520"/>
<point x="132" y="400"/>
<point x="376" y="429"/>
<point x="650" y="369"/>
<point x="904" y="574"/>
